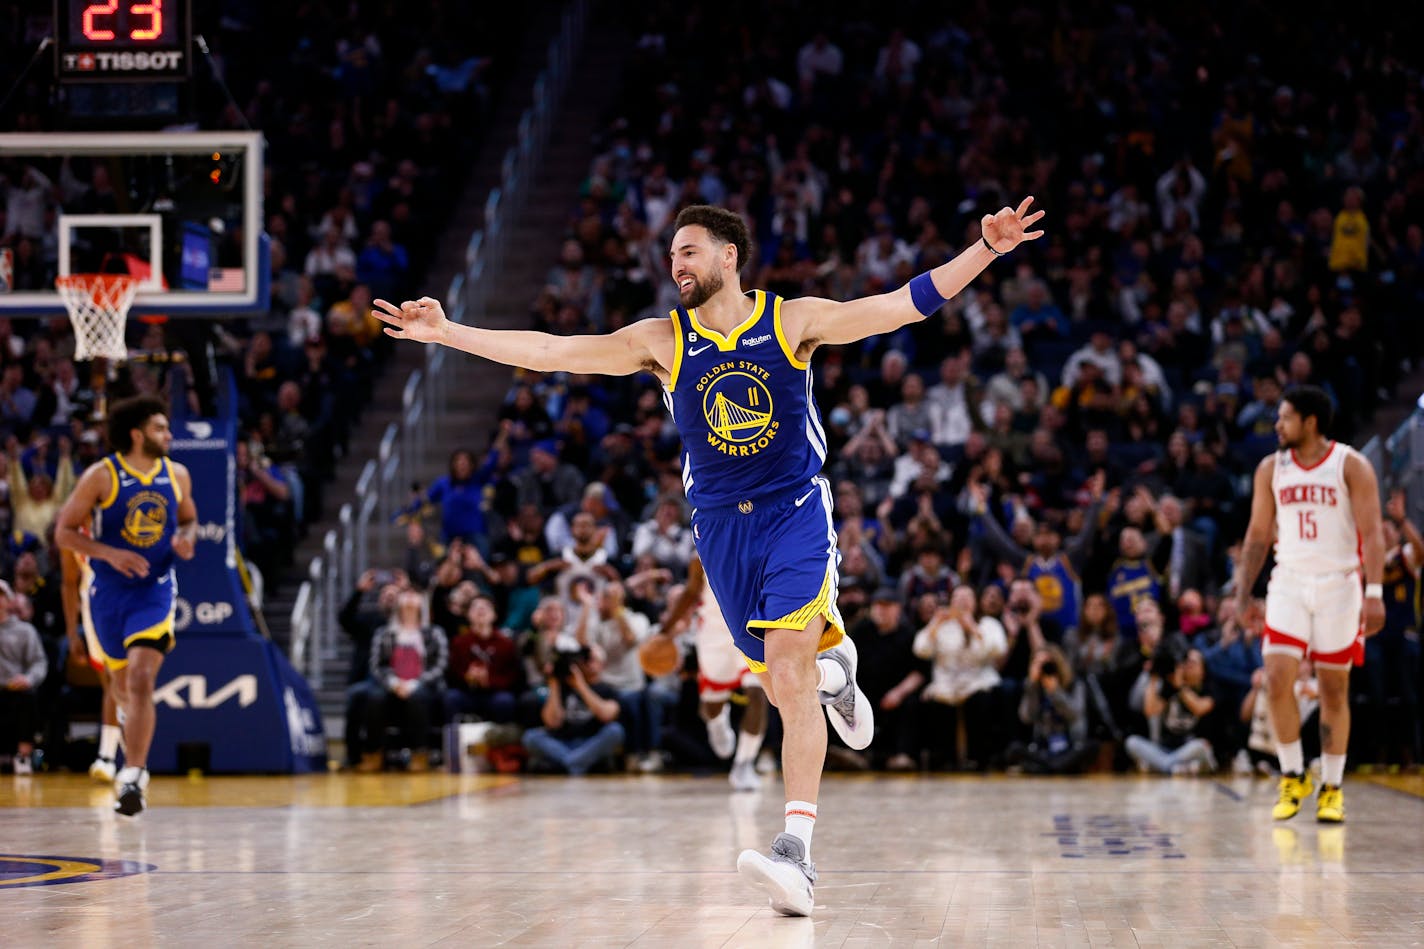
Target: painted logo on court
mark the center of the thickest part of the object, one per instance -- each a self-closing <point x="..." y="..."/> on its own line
<point x="145" y="519"/>
<point x="19" y="870"/>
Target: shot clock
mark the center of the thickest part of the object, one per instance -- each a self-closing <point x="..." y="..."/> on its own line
<point x="122" y="40"/>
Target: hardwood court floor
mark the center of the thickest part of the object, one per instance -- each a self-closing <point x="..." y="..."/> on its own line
<point x="648" y="861"/>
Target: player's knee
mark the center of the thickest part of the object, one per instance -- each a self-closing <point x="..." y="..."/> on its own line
<point x="792" y="674"/>
<point x="1334" y="690"/>
<point x="141" y="682"/>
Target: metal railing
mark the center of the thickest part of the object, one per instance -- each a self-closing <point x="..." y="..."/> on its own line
<point x="1398" y="460"/>
<point x="365" y="531"/>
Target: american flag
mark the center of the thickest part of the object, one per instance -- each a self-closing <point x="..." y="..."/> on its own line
<point x="226" y="280"/>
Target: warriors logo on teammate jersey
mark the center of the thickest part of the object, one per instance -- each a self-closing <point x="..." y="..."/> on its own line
<point x="738" y="407"/>
<point x="145" y="518"/>
<point x="1050" y="591"/>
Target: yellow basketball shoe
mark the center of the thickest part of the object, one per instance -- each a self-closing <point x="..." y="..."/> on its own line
<point x="1293" y="791"/>
<point x="1330" y="807"/>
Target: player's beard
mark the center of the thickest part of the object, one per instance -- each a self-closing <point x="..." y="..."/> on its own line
<point x="1289" y="444"/>
<point x="154" y="449"/>
<point x="701" y="293"/>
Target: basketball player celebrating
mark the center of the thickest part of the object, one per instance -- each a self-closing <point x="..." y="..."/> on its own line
<point x="736" y="373"/>
<point x="720" y="672"/>
<point x="1321" y="501"/>
<point x="141" y="506"/>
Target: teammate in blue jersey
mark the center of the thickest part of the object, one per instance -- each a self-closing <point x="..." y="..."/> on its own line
<point x="735" y="369"/>
<point x="131" y="514"/>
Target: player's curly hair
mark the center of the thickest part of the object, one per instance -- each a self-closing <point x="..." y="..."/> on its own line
<point x="1312" y="400"/>
<point x="129" y="414"/>
<point x="725" y="226"/>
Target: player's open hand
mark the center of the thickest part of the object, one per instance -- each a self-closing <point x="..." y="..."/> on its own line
<point x="422" y="320"/>
<point x="128" y="563"/>
<point x="1007" y="229"/>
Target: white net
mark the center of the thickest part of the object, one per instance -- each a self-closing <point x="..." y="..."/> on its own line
<point x="98" y="307"/>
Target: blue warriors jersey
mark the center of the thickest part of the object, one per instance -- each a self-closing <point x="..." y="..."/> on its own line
<point x="744" y="408"/>
<point x="1057" y="587"/>
<point x="139" y="514"/>
<point x="1130" y="581"/>
<point x="1401" y="595"/>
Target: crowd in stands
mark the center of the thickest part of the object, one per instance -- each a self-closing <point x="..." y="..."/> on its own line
<point x="370" y="125"/>
<point x="1039" y="490"/>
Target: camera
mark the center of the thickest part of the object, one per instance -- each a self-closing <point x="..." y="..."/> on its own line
<point x="1166" y="658"/>
<point x="564" y="660"/>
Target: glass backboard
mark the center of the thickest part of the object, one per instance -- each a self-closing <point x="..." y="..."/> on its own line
<point x="181" y="211"/>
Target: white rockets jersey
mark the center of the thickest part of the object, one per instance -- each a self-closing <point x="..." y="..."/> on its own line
<point x="1315" y="522"/>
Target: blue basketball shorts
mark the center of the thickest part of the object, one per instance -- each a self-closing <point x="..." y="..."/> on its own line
<point x="119" y="615"/>
<point x="773" y="564"/>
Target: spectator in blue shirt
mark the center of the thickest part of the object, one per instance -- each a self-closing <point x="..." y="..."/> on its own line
<point x="460" y="495"/>
<point x="1038" y="317"/>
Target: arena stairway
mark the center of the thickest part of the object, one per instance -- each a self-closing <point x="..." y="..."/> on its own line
<point x="534" y="243"/>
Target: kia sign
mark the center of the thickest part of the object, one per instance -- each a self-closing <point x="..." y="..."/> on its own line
<point x="191" y="691"/>
<point x="240" y="702"/>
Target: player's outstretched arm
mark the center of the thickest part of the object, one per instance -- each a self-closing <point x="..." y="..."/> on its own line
<point x="810" y="321"/>
<point x="1260" y="533"/>
<point x="646" y="345"/>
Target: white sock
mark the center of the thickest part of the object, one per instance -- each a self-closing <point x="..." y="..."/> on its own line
<point x="132" y="775"/>
<point x="719" y="732"/>
<point x="800" y="821"/>
<point x="108" y="742"/>
<point x="833" y="677"/>
<point x="1291" y="757"/>
<point x="1332" y="769"/>
<point x="747" y="747"/>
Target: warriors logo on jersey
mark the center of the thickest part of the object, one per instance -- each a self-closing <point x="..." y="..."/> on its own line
<point x="145" y="518"/>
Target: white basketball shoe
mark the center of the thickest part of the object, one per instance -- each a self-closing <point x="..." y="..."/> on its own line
<point x="786" y="876"/>
<point x="849" y="711"/>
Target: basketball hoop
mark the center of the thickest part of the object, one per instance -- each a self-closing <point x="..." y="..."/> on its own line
<point x="98" y="305"/>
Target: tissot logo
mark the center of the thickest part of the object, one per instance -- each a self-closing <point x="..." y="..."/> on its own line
<point x="156" y="61"/>
<point x="755" y="340"/>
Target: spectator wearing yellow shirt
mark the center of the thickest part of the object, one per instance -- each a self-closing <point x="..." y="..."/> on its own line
<point x="36" y="499"/>
<point x="1350" y="240"/>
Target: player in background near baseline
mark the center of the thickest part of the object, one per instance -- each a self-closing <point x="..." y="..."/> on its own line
<point x="140" y="506"/>
<point x="1320" y="501"/>
<point x="720" y="672"/>
<point x="736" y="375"/>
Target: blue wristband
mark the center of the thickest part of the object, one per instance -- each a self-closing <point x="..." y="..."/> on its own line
<point x="925" y="294"/>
